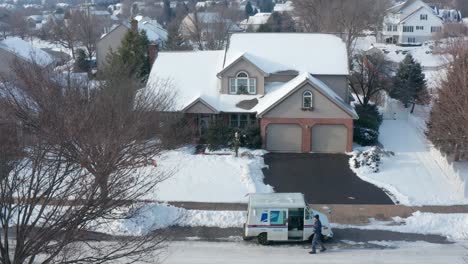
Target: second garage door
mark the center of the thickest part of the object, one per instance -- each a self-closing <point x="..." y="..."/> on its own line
<point x="284" y="138"/>
<point x="329" y="138"/>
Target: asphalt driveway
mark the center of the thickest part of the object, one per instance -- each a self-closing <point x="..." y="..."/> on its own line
<point x="323" y="178"/>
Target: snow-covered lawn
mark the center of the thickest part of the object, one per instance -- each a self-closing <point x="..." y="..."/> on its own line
<point x="157" y="216"/>
<point x="453" y="226"/>
<point x="412" y="175"/>
<point x="209" y="178"/>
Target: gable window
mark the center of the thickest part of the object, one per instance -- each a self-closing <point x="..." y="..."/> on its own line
<point x="423" y="16"/>
<point x="242" y="84"/>
<point x="307" y="100"/>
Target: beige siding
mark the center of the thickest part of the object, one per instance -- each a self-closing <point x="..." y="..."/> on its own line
<point x="291" y="107"/>
<point x="284" y="138"/>
<point x="199" y="108"/>
<point x="338" y="83"/>
<point x="246" y="66"/>
<point x="111" y="41"/>
<point x="329" y="138"/>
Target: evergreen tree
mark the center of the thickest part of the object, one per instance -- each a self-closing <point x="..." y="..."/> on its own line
<point x="278" y="22"/>
<point x="175" y="40"/>
<point x="81" y="65"/>
<point x="409" y="84"/>
<point x="266" y="6"/>
<point x="249" y="11"/>
<point x="134" y="54"/>
<point x="167" y="11"/>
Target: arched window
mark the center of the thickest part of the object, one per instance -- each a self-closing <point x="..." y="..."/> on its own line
<point x="242" y="84"/>
<point x="307" y="100"/>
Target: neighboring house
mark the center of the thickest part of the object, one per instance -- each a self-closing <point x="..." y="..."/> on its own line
<point x="207" y="23"/>
<point x="35" y="21"/>
<point x="410" y="22"/>
<point x="254" y="22"/>
<point x="15" y="48"/>
<point x="298" y="95"/>
<point x="111" y="41"/>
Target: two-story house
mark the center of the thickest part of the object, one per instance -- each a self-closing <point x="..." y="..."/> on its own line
<point x="293" y="85"/>
<point x="410" y="22"/>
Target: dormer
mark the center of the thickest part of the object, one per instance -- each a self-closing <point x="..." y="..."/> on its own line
<point x="242" y="76"/>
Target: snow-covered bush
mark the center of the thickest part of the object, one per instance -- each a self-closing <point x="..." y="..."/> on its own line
<point x="370" y="157"/>
<point x="366" y="128"/>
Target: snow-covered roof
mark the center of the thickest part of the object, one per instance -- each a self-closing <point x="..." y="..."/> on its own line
<point x="286" y="7"/>
<point x="277" y="200"/>
<point x="154" y="31"/>
<point x="26" y="51"/>
<point x="195" y="74"/>
<point x="257" y="19"/>
<point x="192" y="73"/>
<point x="276" y="92"/>
<point x="323" y="54"/>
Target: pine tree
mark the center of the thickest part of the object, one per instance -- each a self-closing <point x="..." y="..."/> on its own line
<point x="249" y="11"/>
<point x="134" y="53"/>
<point x="81" y="65"/>
<point x="175" y="40"/>
<point x="167" y="11"/>
<point x="409" y="84"/>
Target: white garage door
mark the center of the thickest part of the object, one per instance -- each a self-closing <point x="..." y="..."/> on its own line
<point x="329" y="138"/>
<point x="284" y="138"/>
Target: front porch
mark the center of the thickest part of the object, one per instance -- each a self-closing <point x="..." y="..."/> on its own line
<point x="201" y="122"/>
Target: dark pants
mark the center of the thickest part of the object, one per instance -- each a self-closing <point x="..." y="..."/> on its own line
<point x="317" y="240"/>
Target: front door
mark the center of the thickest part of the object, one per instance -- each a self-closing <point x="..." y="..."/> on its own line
<point x="204" y="121"/>
<point x="278" y="230"/>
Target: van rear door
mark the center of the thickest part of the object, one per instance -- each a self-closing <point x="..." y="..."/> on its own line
<point x="278" y="229"/>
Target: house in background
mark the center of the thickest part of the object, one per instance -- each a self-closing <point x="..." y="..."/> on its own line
<point x="298" y="96"/>
<point x="13" y="48"/>
<point x="254" y="22"/>
<point x="157" y="35"/>
<point x="411" y="22"/>
<point x="206" y="22"/>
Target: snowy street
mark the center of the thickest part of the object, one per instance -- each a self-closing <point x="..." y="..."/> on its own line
<point x="388" y="252"/>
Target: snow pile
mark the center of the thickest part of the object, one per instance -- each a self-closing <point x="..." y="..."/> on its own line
<point x="453" y="226"/>
<point x="208" y="178"/>
<point x="158" y="216"/>
<point x="368" y="158"/>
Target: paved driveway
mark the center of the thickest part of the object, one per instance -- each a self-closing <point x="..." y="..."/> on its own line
<point x="323" y="178"/>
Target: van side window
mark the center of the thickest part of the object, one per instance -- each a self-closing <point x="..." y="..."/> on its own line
<point x="264" y="217"/>
<point x="277" y="217"/>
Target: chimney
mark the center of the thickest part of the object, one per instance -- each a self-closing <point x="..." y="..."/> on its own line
<point x="152" y="52"/>
<point x="134" y="25"/>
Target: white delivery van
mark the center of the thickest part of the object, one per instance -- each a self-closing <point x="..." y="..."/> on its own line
<point x="282" y="217"/>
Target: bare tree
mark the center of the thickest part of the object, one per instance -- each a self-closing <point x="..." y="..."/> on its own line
<point x="448" y="123"/>
<point x="82" y="168"/>
<point x="208" y="30"/>
<point x="370" y="76"/>
<point x="348" y="18"/>
<point x="63" y="33"/>
<point x="88" y="29"/>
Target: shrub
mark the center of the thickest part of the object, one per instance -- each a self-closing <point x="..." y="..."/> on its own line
<point x="251" y="137"/>
<point x="366" y="128"/>
<point x="219" y="136"/>
<point x="176" y="132"/>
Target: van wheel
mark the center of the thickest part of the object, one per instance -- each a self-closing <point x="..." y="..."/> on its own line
<point x="262" y="239"/>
